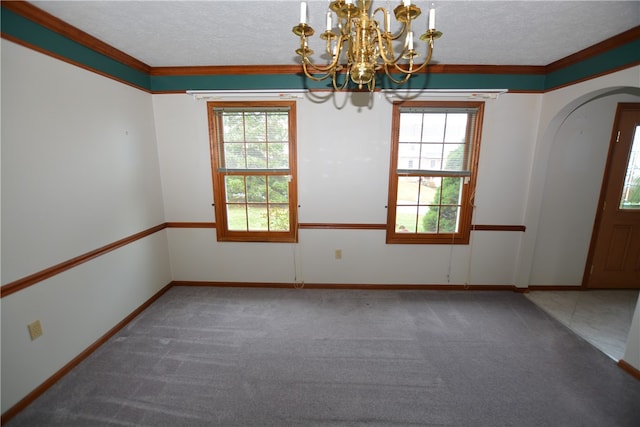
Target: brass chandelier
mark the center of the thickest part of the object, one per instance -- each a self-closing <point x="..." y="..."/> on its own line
<point x="360" y="46"/>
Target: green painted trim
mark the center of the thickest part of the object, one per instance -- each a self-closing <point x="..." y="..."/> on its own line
<point x="525" y="82"/>
<point x="36" y="35"/>
<point x="226" y="82"/>
<point x="610" y="60"/>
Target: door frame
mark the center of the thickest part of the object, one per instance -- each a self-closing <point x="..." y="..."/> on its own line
<point x="622" y="106"/>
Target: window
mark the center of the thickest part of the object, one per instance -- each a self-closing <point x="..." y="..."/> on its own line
<point x="631" y="189"/>
<point x="254" y="174"/>
<point x="434" y="154"/>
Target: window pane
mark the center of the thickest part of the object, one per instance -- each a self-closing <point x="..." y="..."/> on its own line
<point x="237" y="217"/>
<point x="408" y="156"/>
<point x="431" y="158"/>
<point x="631" y="189"/>
<point x="278" y="127"/>
<point x="234" y="156"/>
<point x="279" y="217"/>
<point x="454" y="157"/>
<point x="278" y="189"/>
<point x="410" y="127"/>
<point x="256" y="156"/>
<point x="278" y="155"/>
<point x="451" y="191"/>
<point x="234" y="189"/>
<point x="428" y="187"/>
<point x="256" y="189"/>
<point x="429" y="219"/>
<point x="433" y="127"/>
<point x="408" y="190"/>
<point x="406" y="219"/>
<point x="233" y="127"/>
<point x="255" y="127"/>
<point x="257" y="217"/>
<point x="456" y="127"/>
<point x="448" y="222"/>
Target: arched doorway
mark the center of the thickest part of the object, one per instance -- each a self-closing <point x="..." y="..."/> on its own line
<point x="614" y="253"/>
<point x="565" y="185"/>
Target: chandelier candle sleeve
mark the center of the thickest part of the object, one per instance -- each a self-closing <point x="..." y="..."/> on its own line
<point x="303" y="12"/>
<point x="432" y="18"/>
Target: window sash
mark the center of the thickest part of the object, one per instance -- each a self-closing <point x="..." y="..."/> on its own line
<point x="263" y="148"/>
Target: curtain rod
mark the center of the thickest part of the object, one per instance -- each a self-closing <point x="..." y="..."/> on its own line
<point x="242" y="94"/>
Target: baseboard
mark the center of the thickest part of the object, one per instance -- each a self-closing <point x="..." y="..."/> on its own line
<point x="631" y="370"/>
<point x="25" y="401"/>
<point x="555" y="288"/>
<point x="361" y="286"/>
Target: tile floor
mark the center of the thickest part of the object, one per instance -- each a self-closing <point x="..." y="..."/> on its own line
<point x="601" y="317"/>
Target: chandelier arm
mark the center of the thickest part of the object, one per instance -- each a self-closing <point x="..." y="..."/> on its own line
<point x="395" y="60"/>
<point x="311" y="76"/>
<point x="382" y="40"/>
<point x="412" y="70"/>
<point x="403" y="80"/>
<point x="395" y="36"/>
<point x="344" y="84"/>
<point x="400" y="32"/>
<point x="329" y="68"/>
<point x="384" y="14"/>
<point x="322" y="69"/>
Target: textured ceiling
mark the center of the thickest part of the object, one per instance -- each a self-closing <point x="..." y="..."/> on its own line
<point x="240" y="32"/>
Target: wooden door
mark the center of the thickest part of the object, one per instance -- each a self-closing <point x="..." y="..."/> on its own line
<point x="614" y="255"/>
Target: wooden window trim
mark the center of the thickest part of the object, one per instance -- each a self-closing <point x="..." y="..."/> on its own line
<point x="222" y="230"/>
<point x="468" y="193"/>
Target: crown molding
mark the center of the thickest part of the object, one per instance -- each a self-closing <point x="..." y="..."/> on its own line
<point x="50" y="22"/>
<point x="597" y="49"/>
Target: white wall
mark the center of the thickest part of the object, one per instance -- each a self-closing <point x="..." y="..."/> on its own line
<point x="79" y="171"/>
<point x="567" y="171"/>
<point x="343" y="167"/>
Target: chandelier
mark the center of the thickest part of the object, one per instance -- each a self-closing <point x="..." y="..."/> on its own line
<point x="360" y="45"/>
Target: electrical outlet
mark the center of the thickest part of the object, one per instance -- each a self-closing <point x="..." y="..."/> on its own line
<point x="35" y="329"/>
<point x="338" y="253"/>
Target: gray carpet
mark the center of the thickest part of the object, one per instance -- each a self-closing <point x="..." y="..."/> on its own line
<point x="288" y="357"/>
